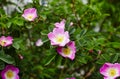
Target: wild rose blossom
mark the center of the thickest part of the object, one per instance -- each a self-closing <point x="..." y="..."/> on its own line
<point x="71" y="78"/>
<point x="39" y="42"/>
<point x="60" y="25"/>
<point x="68" y="51"/>
<point x="110" y="71"/>
<point x="30" y="14"/>
<point x="10" y="72"/>
<point x="59" y="37"/>
<point x="6" y="41"/>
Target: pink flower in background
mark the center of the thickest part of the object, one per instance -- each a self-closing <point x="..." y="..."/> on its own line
<point x="61" y="24"/>
<point x="71" y="23"/>
<point x="6" y="41"/>
<point x="59" y="37"/>
<point x="39" y="42"/>
<point x="68" y="51"/>
<point x="20" y="56"/>
<point x="30" y="14"/>
<point x="110" y="71"/>
<point x="71" y="78"/>
<point x="10" y="72"/>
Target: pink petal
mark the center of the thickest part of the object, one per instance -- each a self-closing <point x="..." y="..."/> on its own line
<point x="72" y="50"/>
<point x="60" y="25"/>
<point x="104" y="68"/>
<point x="58" y="31"/>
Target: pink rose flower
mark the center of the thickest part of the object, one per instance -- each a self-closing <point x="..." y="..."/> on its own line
<point x="59" y="37"/>
<point x="10" y="72"/>
<point x="110" y="71"/>
<point x="30" y="14"/>
<point x="6" y="41"/>
<point x="39" y="42"/>
<point x="68" y="51"/>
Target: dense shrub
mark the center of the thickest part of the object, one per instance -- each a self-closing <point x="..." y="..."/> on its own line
<point x="93" y="28"/>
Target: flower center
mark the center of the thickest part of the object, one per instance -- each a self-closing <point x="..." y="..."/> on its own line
<point x="9" y="74"/>
<point x="60" y="39"/>
<point x="112" y="72"/>
<point x="2" y="43"/>
<point x="66" y="51"/>
<point x="30" y="17"/>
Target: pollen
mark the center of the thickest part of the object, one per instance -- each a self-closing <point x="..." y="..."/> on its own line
<point x="9" y="74"/>
<point x="30" y="17"/>
<point x="2" y="43"/>
<point x="60" y="39"/>
<point x="112" y="72"/>
<point x="66" y="51"/>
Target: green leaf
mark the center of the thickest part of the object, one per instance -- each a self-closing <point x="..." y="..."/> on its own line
<point x="72" y="30"/>
<point x="83" y="32"/>
<point x="116" y="44"/>
<point x="2" y="65"/>
<point x="49" y="59"/>
<point x="114" y="58"/>
<point x="101" y="61"/>
<point x="6" y="58"/>
<point x="17" y="42"/>
<point x="82" y="60"/>
<point x="44" y="32"/>
<point x="18" y="21"/>
<point x="58" y="60"/>
<point x="9" y="24"/>
<point x="106" y="57"/>
<point x="79" y="35"/>
<point x="16" y="45"/>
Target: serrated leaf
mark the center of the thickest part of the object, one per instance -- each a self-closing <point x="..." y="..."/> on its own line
<point x="17" y="42"/>
<point x="44" y="32"/>
<point x="83" y="32"/>
<point x="106" y="57"/>
<point x="114" y="58"/>
<point x="101" y="61"/>
<point x="6" y="58"/>
<point x="16" y="45"/>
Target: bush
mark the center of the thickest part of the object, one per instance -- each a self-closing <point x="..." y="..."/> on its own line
<point x="94" y="27"/>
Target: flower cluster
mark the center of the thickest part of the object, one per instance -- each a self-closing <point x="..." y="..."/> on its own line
<point x="61" y="38"/>
<point x="10" y="72"/>
<point x="110" y="71"/>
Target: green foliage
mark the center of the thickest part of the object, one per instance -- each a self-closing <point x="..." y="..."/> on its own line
<point x="95" y="30"/>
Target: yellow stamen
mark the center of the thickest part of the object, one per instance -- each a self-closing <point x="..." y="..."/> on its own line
<point x="112" y="72"/>
<point x="30" y="17"/>
<point x="9" y="74"/>
<point x="66" y="51"/>
<point x="2" y="43"/>
<point x="60" y="39"/>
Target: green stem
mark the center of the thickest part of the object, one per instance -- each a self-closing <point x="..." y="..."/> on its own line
<point x="61" y="73"/>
